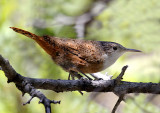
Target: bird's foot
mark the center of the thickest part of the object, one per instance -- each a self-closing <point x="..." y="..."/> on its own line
<point x="100" y="76"/>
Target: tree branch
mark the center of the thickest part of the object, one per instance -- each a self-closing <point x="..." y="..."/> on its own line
<point x="90" y="86"/>
<point x="30" y="85"/>
<point x="24" y="85"/>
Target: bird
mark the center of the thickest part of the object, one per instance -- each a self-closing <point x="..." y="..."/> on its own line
<point x="79" y="55"/>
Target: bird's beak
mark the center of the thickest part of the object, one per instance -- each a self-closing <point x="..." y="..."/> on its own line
<point x="132" y="50"/>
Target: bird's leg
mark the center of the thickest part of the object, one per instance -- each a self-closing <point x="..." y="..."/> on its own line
<point x="99" y="76"/>
<point x="69" y="76"/>
<point x="73" y="78"/>
<point x="73" y="73"/>
<point x="95" y="78"/>
<point x="86" y="76"/>
<point x="78" y="75"/>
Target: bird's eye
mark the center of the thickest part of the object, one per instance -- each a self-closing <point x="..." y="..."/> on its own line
<point x="115" y="48"/>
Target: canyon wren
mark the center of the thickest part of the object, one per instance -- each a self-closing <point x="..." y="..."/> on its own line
<point x="78" y="55"/>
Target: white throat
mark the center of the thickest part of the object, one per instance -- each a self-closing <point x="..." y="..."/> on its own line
<point x="109" y="60"/>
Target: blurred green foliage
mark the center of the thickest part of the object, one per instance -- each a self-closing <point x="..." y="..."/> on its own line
<point x="133" y="23"/>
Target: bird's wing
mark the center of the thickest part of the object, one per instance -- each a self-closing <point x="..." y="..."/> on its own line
<point x="85" y="50"/>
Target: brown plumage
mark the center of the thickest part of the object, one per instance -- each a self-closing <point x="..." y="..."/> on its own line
<point x="79" y="55"/>
<point x="71" y="54"/>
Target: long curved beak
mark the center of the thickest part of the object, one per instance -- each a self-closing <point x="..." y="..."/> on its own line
<point x="132" y="50"/>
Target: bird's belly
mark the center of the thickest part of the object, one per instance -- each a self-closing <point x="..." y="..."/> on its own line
<point x="91" y="68"/>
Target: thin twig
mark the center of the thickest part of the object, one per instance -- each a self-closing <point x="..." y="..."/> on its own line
<point x="73" y="78"/>
<point x="28" y="102"/>
<point x="120" y="77"/>
<point x="121" y="95"/>
<point x="117" y="103"/>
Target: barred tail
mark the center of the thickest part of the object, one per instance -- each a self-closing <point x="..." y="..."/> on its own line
<point x="26" y="33"/>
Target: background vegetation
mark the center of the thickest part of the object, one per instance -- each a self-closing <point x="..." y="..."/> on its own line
<point x="133" y="23"/>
